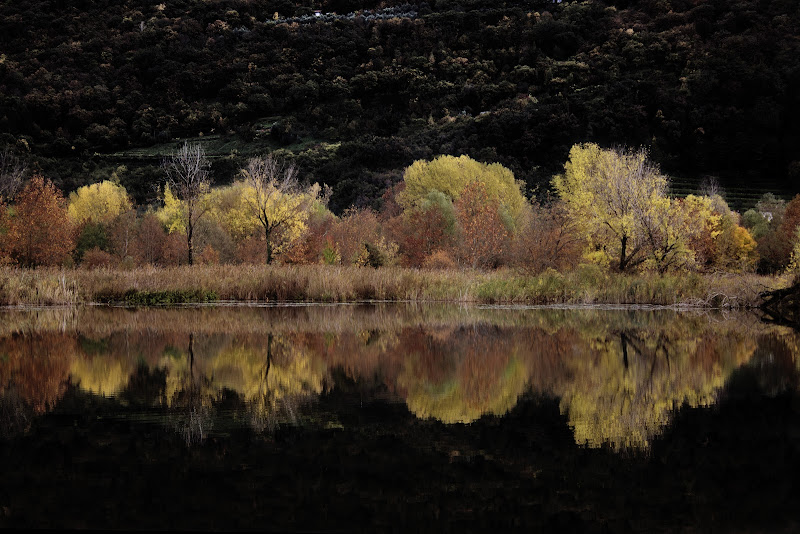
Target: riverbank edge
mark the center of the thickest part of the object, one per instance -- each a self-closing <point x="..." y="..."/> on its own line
<point x="586" y="285"/>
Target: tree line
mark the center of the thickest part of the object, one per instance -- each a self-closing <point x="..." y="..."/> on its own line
<point x="611" y="207"/>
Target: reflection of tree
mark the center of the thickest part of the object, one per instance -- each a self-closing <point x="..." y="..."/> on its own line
<point x="273" y="378"/>
<point x="459" y="379"/>
<point x="777" y="361"/>
<point x="188" y="395"/>
<point x="619" y="374"/>
<point x="100" y="370"/>
<point x="35" y="368"/>
<point x="623" y="387"/>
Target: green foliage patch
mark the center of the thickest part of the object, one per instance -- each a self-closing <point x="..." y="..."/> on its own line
<point x="134" y="297"/>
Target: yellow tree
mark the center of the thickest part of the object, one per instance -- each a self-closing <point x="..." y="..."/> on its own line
<point x="101" y="202"/>
<point x="229" y="207"/>
<point x="451" y="175"/>
<point x="613" y="194"/>
<point x="276" y="200"/>
<point x="734" y="246"/>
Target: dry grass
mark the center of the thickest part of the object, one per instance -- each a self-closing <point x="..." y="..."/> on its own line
<point x="320" y="283"/>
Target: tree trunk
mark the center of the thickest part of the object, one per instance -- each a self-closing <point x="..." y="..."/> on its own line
<point x="269" y="244"/>
<point x="622" y="262"/>
<point x="191" y="355"/>
<point x="269" y="356"/>
<point x="189" y="232"/>
<point x="624" y="342"/>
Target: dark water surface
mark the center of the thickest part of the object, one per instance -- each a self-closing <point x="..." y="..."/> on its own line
<point x="398" y="417"/>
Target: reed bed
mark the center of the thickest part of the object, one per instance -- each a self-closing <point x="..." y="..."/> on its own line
<point x="319" y="283"/>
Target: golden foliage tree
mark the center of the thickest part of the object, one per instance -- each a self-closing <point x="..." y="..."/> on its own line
<point x="613" y="195"/>
<point x="451" y="175"/>
<point x="276" y="201"/>
<point x="99" y="203"/>
<point x="735" y="249"/>
<point x="40" y="232"/>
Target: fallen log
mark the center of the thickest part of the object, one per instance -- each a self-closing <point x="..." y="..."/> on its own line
<point x="782" y="306"/>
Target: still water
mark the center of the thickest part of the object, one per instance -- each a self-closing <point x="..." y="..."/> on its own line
<point x="389" y="416"/>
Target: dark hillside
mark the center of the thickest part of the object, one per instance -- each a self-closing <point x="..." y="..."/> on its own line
<point x="712" y="86"/>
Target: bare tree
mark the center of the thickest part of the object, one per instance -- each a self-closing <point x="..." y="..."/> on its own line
<point x="188" y="177"/>
<point x="277" y="200"/>
<point x="12" y="171"/>
<point x="710" y="186"/>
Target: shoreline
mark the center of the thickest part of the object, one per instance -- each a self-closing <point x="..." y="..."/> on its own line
<point x="585" y="286"/>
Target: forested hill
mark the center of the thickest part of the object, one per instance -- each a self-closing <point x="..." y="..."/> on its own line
<point x="712" y="86"/>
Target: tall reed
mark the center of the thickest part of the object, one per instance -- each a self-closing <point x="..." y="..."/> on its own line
<point x="320" y="283"/>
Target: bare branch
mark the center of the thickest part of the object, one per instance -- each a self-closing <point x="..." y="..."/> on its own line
<point x="187" y="174"/>
<point x="277" y="197"/>
<point x="12" y="172"/>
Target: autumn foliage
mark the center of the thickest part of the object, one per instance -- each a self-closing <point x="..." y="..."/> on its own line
<point x="610" y="208"/>
<point x="482" y="233"/>
<point x="40" y="232"/>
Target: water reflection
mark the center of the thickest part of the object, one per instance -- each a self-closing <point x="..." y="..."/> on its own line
<point x="619" y="375"/>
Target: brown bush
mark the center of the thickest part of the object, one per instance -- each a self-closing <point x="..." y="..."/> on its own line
<point x="307" y="249"/>
<point x="252" y="250"/>
<point x="209" y="256"/>
<point x="420" y="233"/>
<point x="175" y="247"/>
<point x="353" y="231"/>
<point x="440" y="259"/>
<point x="95" y="258"/>
<point x="546" y="239"/>
<point x="149" y="241"/>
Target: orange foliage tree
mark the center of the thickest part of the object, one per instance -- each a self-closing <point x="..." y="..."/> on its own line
<point x="351" y="233"/>
<point x="547" y="238"/>
<point x="421" y="232"/>
<point x="40" y="232"/>
<point x="481" y="230"/>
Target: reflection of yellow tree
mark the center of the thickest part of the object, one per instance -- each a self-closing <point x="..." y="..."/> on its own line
<point x="102" y="374"/>
<point x="463" y="378"/>
<point x="188" y="393"/>
<point x="272" y="376"/>
<point x="619" y="374"/>
<point x="623" y="388"/>
<point x="186" y="377"/>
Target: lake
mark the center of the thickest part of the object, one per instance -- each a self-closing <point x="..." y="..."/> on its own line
<point x="398" y="416"/>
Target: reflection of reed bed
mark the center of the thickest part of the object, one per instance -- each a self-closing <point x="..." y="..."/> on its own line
<point x="96" y="321"/>
<point x="322" y="283"/>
